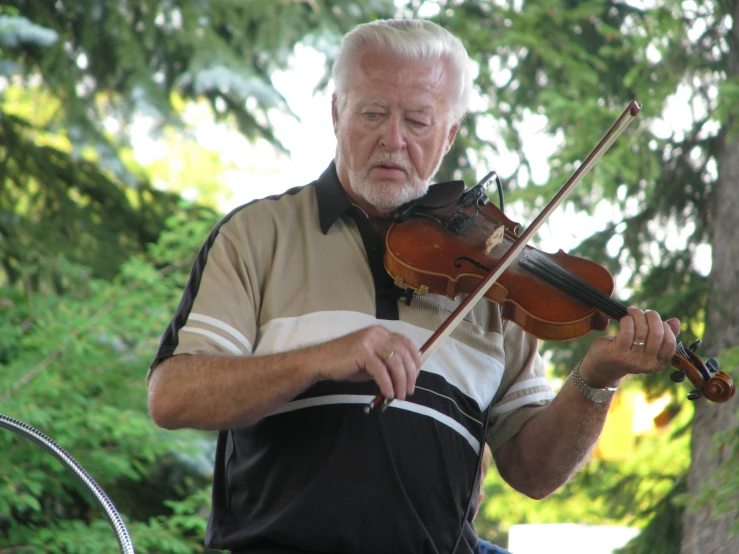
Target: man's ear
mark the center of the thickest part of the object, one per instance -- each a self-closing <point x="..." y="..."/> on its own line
<point x="335" y="112"/>
<point x="452" y="135"/>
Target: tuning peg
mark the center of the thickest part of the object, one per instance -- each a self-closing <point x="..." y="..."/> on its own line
<point x="694" y="395"/>
<point x="693" y="347"/>
<point x="677" y="376"/>
<point x="712" y="365"/>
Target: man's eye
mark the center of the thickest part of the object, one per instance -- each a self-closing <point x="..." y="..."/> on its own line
<point x="418" y="124"/>
<point x="372" y="115"/>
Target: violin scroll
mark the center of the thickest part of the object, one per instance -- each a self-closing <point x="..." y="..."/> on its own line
<point x="709" y="382"/>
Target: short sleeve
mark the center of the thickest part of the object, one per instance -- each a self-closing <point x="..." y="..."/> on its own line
<point x="217" y="312"/>
<point x="524" y="390"/>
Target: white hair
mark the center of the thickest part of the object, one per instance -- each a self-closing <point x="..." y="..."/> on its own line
<point x="414" y="40"/>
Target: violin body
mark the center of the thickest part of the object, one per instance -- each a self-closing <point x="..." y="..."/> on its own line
<point x="449" y="248"/>
<point x="451" y="259"/>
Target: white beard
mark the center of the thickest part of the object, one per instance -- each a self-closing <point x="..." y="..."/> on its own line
<point x="388" y="196"/>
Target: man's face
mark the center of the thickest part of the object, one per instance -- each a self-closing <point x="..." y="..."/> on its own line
<point x="392" y="129"/>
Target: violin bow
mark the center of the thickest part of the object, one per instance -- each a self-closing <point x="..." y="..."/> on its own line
<point x="628" y="115"/>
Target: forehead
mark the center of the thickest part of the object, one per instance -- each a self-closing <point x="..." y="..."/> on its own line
<point x="382" y="77"/>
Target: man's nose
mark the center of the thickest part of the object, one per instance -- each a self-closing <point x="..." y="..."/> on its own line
<point x="392" y="138"/>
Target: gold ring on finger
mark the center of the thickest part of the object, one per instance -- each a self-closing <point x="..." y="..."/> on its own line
<point x="387" y="354"/>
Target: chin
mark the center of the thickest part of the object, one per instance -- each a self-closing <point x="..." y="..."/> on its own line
<point x="391" y="196"/>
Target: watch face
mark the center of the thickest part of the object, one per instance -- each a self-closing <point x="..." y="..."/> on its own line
<point x="601" y="395"/>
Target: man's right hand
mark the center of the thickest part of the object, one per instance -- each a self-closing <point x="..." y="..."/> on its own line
<point x="225" y="392"/>
<point x="391" y="359"/>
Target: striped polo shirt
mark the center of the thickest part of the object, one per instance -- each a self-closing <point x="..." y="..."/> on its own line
<point x="318" y="474"/>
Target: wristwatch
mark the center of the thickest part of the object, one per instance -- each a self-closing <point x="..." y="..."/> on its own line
<point x="596" y="395"/>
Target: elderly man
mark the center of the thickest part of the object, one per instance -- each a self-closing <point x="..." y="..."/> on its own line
<point x="289" y="326"/>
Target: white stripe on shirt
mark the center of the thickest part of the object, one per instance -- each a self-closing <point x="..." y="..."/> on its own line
<point x="473" y="372"/>
<point x="223" y="326"/>
<point x="398" y="404"/>
<point x="215" y="337"/>
<point x="518" y="402"/>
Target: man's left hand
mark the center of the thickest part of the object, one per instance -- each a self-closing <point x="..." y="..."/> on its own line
<point x="643" y="344"/>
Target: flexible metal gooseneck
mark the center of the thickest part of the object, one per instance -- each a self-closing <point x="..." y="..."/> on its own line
<point x="121" y="534"/>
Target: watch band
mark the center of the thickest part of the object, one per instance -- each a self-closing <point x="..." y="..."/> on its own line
<point x="595" y="395"/>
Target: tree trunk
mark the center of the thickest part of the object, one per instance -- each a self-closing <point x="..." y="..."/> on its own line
<point x="704" y="532"/>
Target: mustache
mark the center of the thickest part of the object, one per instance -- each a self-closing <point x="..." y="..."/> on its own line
<point x="389" y="158"/>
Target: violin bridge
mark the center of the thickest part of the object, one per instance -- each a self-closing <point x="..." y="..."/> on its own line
<point x="423" y="290"/>
<point x="494" y="239"/>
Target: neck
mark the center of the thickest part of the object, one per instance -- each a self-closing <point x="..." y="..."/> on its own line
<point x="381" y="224"/>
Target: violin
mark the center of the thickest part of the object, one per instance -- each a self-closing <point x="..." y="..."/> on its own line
<point x="449" y="249"/>
<point x="468" y="246"/>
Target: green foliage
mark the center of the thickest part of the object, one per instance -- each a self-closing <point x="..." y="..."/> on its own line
<point x="616" y="492"/>
<point x="578" y="64"/>
<point x="86" y="292"/>
<point x="52" y="202"/>
<point x="74" y="74"/>
<point x="663" y="533"/>
<point x="113" y="60"/>
<point x="190" y="170"/>
<point x="73" y="367"/>
<point x="719" y="493"/>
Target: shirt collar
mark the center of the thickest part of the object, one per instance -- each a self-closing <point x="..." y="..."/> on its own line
<point x="333" y="201"/>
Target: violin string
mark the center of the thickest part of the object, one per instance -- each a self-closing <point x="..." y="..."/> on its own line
<point x="553" y="273"/>
<point x="479" y="228"/>
<point x="572" y="285"/>
<point x="558" y="276"/>
<point x="576" y="287"/>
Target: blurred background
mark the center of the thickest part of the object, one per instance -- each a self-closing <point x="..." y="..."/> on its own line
<point x="128" y="128"/>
